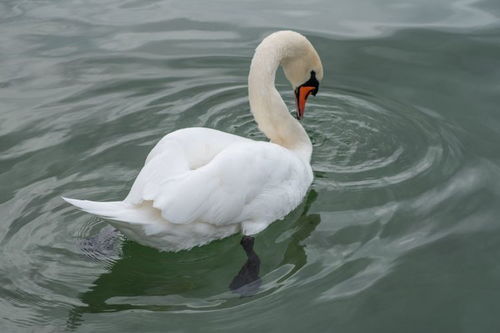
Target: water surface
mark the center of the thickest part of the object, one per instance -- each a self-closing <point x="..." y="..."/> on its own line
<point x="399" y="232"/>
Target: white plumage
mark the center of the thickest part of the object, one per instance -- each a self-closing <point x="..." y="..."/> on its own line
<point x="200" y="184"/>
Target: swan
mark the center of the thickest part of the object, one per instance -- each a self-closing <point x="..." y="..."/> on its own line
<point x="199" y="184"/>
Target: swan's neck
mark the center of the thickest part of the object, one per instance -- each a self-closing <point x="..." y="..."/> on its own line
<point x="268" y="108"/>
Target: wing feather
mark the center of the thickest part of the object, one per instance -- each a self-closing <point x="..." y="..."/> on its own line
<point x="228" y="189"/>
<point x="239" y="180"/>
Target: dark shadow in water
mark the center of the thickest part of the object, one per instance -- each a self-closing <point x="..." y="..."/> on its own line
<point x="247" y="281"/>
<point x="145" y="272"/>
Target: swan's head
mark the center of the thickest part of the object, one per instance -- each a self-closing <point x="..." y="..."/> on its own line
<point x="302" y="67"/>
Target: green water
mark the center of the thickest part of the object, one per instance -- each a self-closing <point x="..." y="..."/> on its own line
<point x="399" y="233"/>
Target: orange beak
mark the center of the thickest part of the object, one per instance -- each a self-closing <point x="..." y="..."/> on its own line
<point x="301" y="94"/>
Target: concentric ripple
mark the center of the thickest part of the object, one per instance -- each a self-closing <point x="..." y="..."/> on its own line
<point x="375" y="142"/>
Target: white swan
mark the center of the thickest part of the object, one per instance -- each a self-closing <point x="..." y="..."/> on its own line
<point x="200" y="184"/>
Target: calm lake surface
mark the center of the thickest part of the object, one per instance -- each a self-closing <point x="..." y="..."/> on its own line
<point x="399" y="233"/>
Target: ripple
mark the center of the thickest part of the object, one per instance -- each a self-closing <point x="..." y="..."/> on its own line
<point x="376" y="142"/>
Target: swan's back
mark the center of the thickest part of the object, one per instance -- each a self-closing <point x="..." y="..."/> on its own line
<point x="220" y="179"/>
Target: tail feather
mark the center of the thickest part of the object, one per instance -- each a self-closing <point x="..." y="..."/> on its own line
<point x="118" y="210"/>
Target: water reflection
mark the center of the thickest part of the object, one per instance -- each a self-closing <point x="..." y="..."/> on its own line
<point x="144" y="278"/>
<point x="295" y="253"/>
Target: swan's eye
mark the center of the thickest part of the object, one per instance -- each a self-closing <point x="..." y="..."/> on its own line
<point x="312" y="82"/>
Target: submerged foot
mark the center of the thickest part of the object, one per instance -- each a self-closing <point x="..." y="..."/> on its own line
<point x="247" y="281"/>
<point x="105" y="244"/>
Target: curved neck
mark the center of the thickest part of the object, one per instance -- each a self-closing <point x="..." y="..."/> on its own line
<point x="267" y="106"/>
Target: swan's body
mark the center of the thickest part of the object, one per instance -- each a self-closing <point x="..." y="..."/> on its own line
<point x="200" y="184"/>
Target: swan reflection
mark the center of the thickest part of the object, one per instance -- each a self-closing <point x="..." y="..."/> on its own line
<point x="145" y="278"/>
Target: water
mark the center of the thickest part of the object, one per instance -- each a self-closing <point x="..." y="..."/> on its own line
<point x="399" y="232"/>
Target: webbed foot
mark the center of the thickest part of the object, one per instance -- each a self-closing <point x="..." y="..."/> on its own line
<point x="247" y="281"/>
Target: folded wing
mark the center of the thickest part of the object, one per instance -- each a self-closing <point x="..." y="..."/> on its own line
<point x="247" y="181"/>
